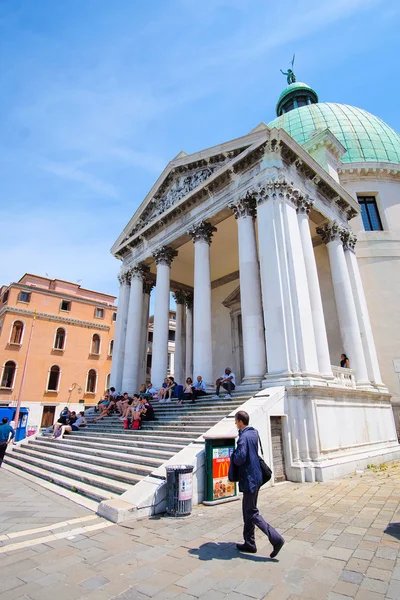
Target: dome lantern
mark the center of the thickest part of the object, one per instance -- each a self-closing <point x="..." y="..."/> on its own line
<point x="295" y="95"/>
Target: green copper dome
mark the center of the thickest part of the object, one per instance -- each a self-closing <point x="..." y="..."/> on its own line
<point x="365" y="137"/>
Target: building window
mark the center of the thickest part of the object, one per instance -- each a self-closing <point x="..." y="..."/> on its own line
<point x="114" y="317"/>
<point x="91" y="381"/>
<point x="370" y="214"/>
<point x="24" y="297"/>
<point x="150" y="339"/>
<point x="8" y="375"/>
<point x="95" y="348"/>
<point x="65" y="305"/>
<point x="59" y="341"/>
<point x="111" y="348"/>
<point x="17" y="333"/>
<point x="171" y="335"/>
<point x="108" y="381"/>
<point x="99" y="313"/>
<point x="54" y="379"/>
<point x="5" y="296"/>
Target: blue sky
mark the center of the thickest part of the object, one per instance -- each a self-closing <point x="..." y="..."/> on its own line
<point x="97" y="96"/>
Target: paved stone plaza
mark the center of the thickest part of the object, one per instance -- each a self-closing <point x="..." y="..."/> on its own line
<point x="342" y="542"/>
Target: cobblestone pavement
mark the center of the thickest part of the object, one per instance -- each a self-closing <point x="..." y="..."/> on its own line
<point x="24" y="505"/>
<point x="342" y="542"/>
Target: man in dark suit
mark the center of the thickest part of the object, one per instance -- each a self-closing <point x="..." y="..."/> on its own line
<point x="247" y="461"/>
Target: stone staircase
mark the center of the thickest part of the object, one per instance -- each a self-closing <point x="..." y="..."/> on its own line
<point x="103" y="460"/>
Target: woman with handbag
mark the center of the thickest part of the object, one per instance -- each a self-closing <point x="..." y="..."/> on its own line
<point x="250" y="470"/>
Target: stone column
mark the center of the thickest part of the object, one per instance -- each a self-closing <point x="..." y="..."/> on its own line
<point x="250" y="293"/>
<point x="180" y="339"/>
<point x="289" y="329"/>
<point x="159" y="366"/>
<point x="304" y="205"/>
<point x="117" y="365"/>
<point x="189" y="338"/>
<point x="202" y="338"/>
<point x="147" y="287"/>
<point x="346" y="310"/>
<point x="133" y="330"/>
<point x="374" y="374"/>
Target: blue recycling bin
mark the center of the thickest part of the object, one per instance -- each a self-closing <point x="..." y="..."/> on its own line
<point x="9" y="412"/>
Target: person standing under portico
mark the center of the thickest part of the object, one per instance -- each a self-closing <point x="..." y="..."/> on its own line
<point x="227" y="381"/>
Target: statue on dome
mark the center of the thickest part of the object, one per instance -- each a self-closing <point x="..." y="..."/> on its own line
<point x="291" y="77"/>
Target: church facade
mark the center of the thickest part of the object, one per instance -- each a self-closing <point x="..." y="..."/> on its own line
<point x="282" y="248"/>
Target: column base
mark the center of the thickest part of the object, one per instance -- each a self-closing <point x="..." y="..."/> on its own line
<point x="295" y="380"/>
<point x="253" y="382"/>
<point x="367" y="386"/>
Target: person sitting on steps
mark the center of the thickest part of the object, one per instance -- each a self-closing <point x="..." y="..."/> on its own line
<point x="59" y="425"/>
<point x="227" y="381"/>
<point x="199" y="388"/>
<point x="187" y="391"/>
<point x="162" y="390"/>
<point x="80" y="422"/>
<point x="170" y="391"/>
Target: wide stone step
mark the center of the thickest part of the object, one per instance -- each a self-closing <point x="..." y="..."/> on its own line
<point x="199" y="429"/>
<point x="172" y="433"/>
<point x="183" y="424"/>
<point x="121" y="449"/>
<point x="123" y="462"/>
<point x="87" y="488"/>
<point x="106" y="479"/>
<point x="143" y="436"/>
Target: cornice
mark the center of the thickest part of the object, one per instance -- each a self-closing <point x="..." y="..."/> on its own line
<point x="373" y="170"/>
<point x="48" y="317"/>
<point x="61" y="295"/>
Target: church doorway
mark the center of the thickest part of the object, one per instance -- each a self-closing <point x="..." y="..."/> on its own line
<point x="232" y="302"/>
<point x="278" y="459"/>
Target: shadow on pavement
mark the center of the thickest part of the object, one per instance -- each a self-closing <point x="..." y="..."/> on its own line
<point x="224" y="551"/>
<point x="393" y="529"/>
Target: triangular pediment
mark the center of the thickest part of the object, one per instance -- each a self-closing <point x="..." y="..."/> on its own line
<point x="181" y="177"/>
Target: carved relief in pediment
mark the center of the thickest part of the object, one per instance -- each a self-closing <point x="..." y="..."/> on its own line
<point x="179" y="184"/>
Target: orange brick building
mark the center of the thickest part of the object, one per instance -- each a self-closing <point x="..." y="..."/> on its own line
<point x="56" y="340"/>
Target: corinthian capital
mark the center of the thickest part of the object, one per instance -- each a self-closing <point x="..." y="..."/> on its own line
<point x="189" y="300"/>
<point x="245" y="206"/>
<point x="202" y="232"/>
<point x="330" y="231"/>
<point x="179" y="296"/>
<point x="278" y="187"/>
<point x="349" y="239"/>
<point x="137" y="272"/>
<point x="124" y="278"/>
<point x="147" y="286"/>
<point x="304" y="204"/>
<point x="165" y="255"/>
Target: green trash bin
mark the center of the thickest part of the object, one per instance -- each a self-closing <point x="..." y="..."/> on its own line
<point x="218" y="488"/>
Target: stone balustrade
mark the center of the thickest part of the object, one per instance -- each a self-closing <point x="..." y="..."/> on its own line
<point x="344" y="377"/>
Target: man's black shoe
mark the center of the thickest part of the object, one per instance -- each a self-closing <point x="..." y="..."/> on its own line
<point x="246" y="548"/>
<point x="277" y="548"/>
